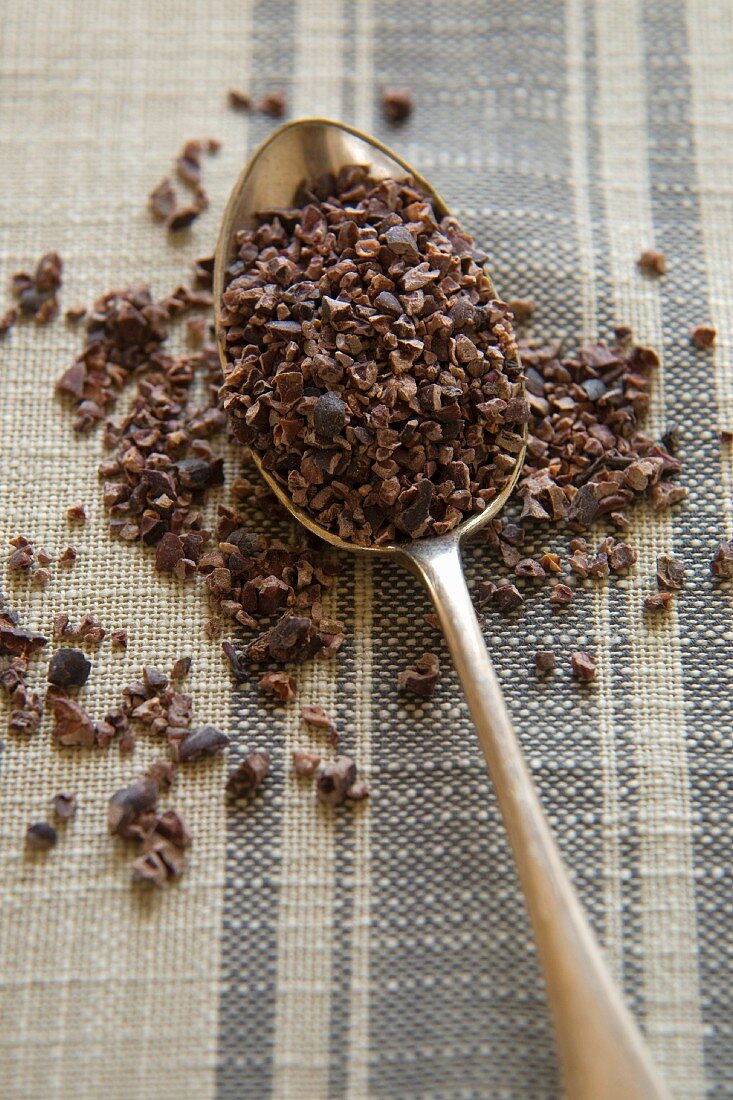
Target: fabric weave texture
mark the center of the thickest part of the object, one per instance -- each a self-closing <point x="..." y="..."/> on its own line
<point x="381" y="951"/>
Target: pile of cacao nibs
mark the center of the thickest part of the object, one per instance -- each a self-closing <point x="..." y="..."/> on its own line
<point x="369" y="365"/>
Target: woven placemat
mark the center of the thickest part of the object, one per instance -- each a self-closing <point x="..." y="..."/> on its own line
<point x="382" y="952"/>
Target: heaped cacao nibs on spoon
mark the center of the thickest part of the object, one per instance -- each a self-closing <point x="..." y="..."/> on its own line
<point x="356" y="293"/>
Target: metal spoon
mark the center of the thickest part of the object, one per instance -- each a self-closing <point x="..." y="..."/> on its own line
<point x="602" y="1054"/>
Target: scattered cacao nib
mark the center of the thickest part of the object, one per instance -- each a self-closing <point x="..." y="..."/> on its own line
<point x="530" y="569"/>
<point x="74" y="314"/>
<point x="161" y="863"/>
<point x="77" y="512"/>
<point x="69" y="668"/>
<point x="184" y="216"/>
<point x="163" y="200"/>
<point x="273" y="104"/>
<point x="544" y="661"/>
<point x="397" y="104"/>
<point x="703" y="336"/>
<point x="15" y="641"/>
<point x="196" y="331"/>
<point x="40" y="837"/>
<point x="621" y="557"/>
<point x="244" y="780"/>
<point x="305" y="762"/>
<point x="171" y="826"/>
<point x="68" y="556"/>
<point x="670" y="572"/>
<point x="163" y="773"/>
<point x="652" y="262"/>
<point x="240" y="101"/>
<point x="584" y="666"/>
<point x="722" y="562"/>
<point x="181" y="668"/>
<point x="279" y="684"/>
<point x="119" y="639"/>
<point x="8" y="319"/>
<point x="506" y="598"/>
<point x="316" y="716"/>
<point x="422" y="678"/>
<point x="64" y="805"/>
<point x="37" y="294"/>
<point x="561" y="595"/>
<point x="726" y="436"/>
<point x="522" y="309"/>
<point x="41" y="577"/>
<point x="205" y="741"/>
<point x="334" y="780"/>
<point x="658" y="601"/>
<point x="131" y="810"/>
<point x="381" y="424"/>
<point x="72" y="725"/>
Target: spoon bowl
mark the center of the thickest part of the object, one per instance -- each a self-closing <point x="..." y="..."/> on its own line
<point x="602" y="1054"/>
<point x="300" y="150"/>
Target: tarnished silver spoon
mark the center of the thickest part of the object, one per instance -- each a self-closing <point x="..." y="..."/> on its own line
<point x="602" y="1054"/>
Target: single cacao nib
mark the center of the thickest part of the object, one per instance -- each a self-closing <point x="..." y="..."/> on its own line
<point x="248" y="776"/>
<point x="128" y="805"/>
<point x="652" y="262"/>
<point x="397" y="104"/>
<point x="422" y="679"/>
<point x="201" y="742"/>
<point x="69" y="668"/>
<point x="722" y="562"/>
<point x="584" y="666"/>
<point x="335" y="780"/>
<point x="305" y="762"/>
<point x="329" y="415"/>
<point x="544" y="661"/>
<point x="40" y="837"/>
<point x="670" y="572"/>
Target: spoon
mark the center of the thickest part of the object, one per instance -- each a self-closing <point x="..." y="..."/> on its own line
<point x="601" y="1051"/>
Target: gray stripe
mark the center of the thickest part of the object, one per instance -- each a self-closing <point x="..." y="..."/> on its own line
<point x="451" y="950"/>
<point x="703" y="627"/>
<point x="249" y="952"/>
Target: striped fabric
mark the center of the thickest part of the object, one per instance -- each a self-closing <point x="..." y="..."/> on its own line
<point x="383" y="951"/>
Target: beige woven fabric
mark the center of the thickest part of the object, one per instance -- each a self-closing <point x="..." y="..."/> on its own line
<point x="383" y="953"/>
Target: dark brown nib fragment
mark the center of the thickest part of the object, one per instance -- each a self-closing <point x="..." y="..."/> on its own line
<point x="652" y="262"/>
<point x="334" y="780"/>
<point x="119" y="639"/>
<point x="316" y="716"/>
<point x="279" y="684"/>
<point x="305" y="762"/>
<point x="40" y="837"/>
<point x="561" y="595"/>
<point x="544" y="661"/>
<point x="131" y="810"/>
<point x="206" y="741"/>
<point x="273" y="104"/>
<point x="703" y="336"/>
<point x="670" y="572"/>
<point x="658" y="601"/>
<point x="397" y="104"/>
<point x="584" y="666"/>
<point x="181" y="668"/>
<point x="162" y="200"/>
<point x="37" y="294"/>
<point x="722" y="562"/>
<point x="69" y="668"/>
<point x="244" y="780"/>
<point x="422" y="678"/>
<point x="240" y="101"/>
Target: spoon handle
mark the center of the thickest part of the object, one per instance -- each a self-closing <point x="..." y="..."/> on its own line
<point x="602" y="1053"/>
